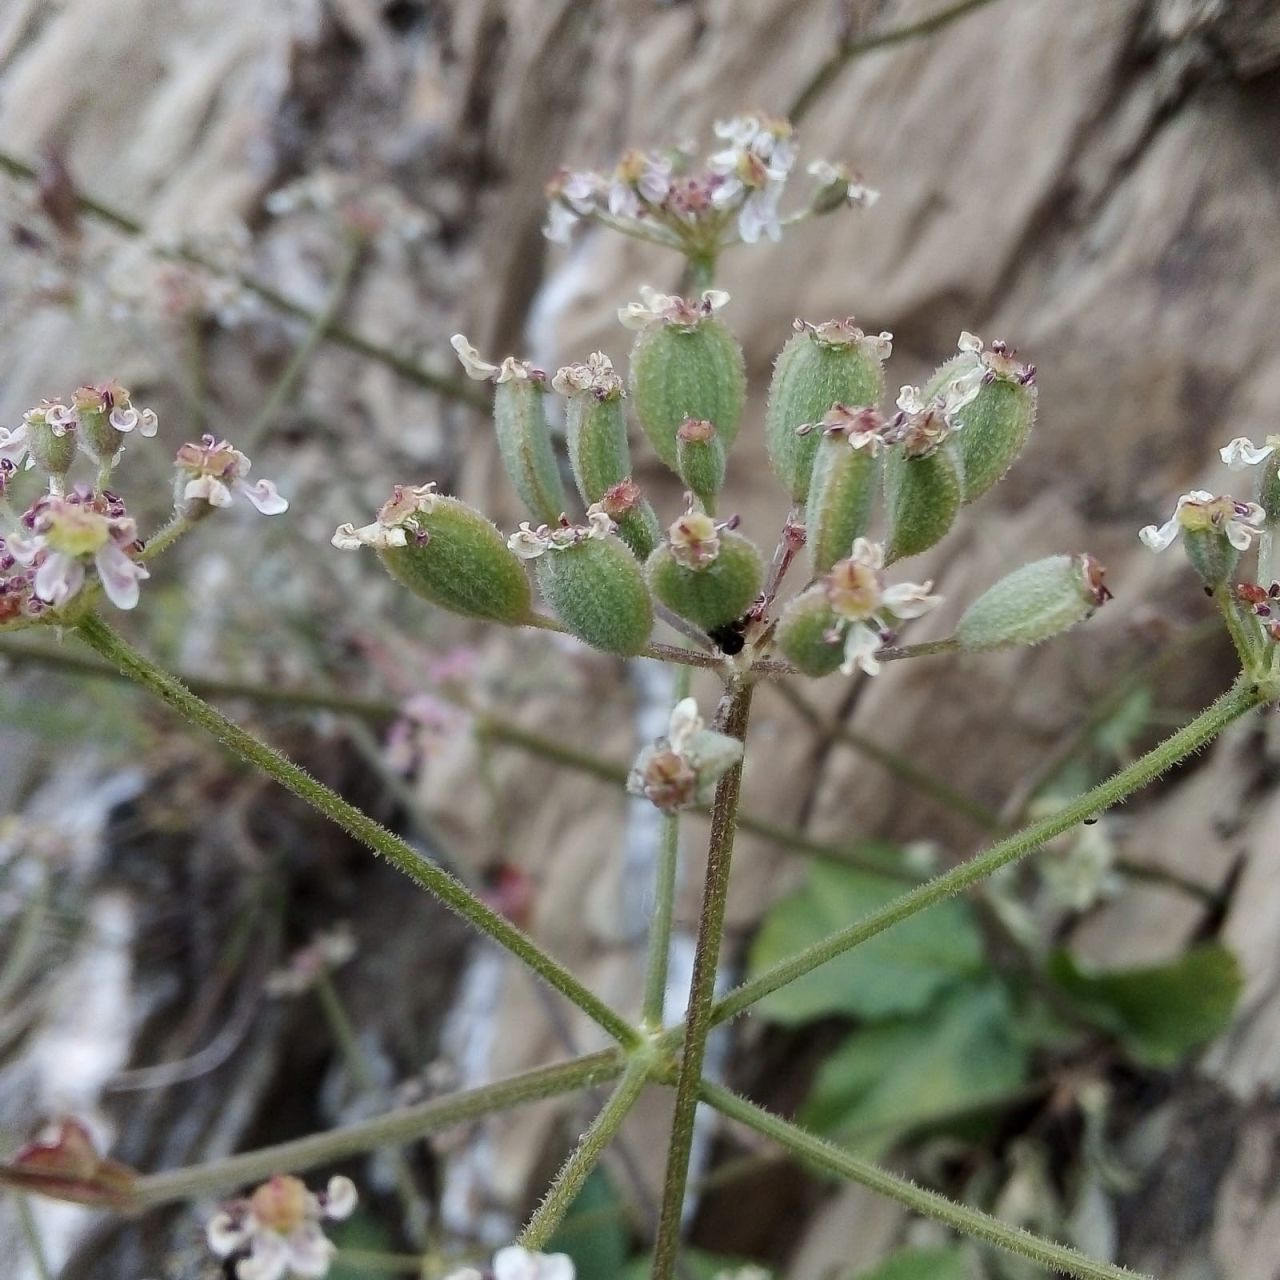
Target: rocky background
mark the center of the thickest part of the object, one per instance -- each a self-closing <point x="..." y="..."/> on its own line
<point x="1094" y="181"/>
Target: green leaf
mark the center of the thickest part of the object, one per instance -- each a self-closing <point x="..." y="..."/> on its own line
<point x="594" y="1232"/>
<point x="1159" y="1013"/>
<point x="887" y="1080"/>
<point x="898" y="972"/>
<point x="942" y="1263"/>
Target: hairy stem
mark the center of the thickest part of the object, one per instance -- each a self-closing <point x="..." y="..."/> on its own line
<point x="735" y="710"/>
<point x="962" y="1218"/>
<point x="403" y="1125"/>
<point x="1202" y="730"/>
<point x="450" y="891"/>
<point x="586" y="1155"/>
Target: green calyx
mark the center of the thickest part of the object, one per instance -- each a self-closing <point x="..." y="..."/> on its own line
<point x="456" y="559"/>
<point x="596" y="588"/>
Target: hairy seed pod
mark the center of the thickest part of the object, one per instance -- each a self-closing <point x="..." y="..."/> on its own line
<point x="922" y="497"/>
<point x="700" y="460"/>
<point x="821" y="365"/>
<point x="687" y="370"/>
<point x="595" y="428"/>
<point x="524" y="442"/>
<point x="719" y="590"/>
<point x="808" y="633"/>
<point x="1211" y="554"/>
<point x="54" y="454"/>
<point x="460" y="562"/>
<point x="597" y="589"/>
<point x="841" y="492"/>
<point x="1034" y="603"/>
<point x="635" y="517"/>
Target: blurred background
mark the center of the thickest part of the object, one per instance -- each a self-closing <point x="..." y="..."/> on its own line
<point x="266" y="221"/>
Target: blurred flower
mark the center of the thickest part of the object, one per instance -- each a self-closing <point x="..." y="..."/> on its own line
<point x="425" y="723"/>
<point x="515" y="1263"/>
<point x="327" y="951"/>
<point x="510" y="370"/>
<point x="681" y="769"/>
<point x="214" y="471"/>
<point x="277" y="1229"/>
<point x="1238" y="454"/>
<point x="995" y="361"/>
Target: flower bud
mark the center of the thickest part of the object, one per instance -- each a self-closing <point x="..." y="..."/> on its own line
<point x="996" y="418"/>
<point x="922" y="496"/>
<point x="634" y="515"/>
<point x="682" y="769"/>
<point x="704" y="572"/>
<point x="846" y="472"/>
<point x="1033" y="603"/>
<point x="524" y="441"/>
<point x="457" y="559"/>
<point x="596" y="588"/>
<point x="821" y="365"/>
<point x="595" y="429"/>
<point x="685" y="364"/>
<point x="809" y="634"/>
<point x="700" y="460"/>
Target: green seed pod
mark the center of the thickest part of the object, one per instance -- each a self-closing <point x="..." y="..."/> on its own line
<point x="452" y="557"/>
<point x="595" y="429"/>
<point x="995" y="408"/>
<point x="700" y="460"/>
<point x="635" y="517"/>
<point x="821" y="365"/>
<point x="1211" y="554"/>
<point x="922" y="496"/>
<point x="685" y="364"/>
<point x="51" y="440"/>
<point x="846" y="473"/>
<point x="524" y="442"/>
<point x="597" y="589"/>
<point x="706" y="574"/>
<point x="1033" y="603"/>
<point x="808" y="633"/>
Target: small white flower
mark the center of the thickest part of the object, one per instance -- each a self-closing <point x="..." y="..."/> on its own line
<point x="1199" y="511"/>
<point x="922" y="425"/>
<point x="995" y="361"/>
<point x="13" y="444"/>
<point x="558" y="228"/>
<point x="515" y="1263"/>
<point x="685" y="722"/>
<point x="278" y="1228"/>
<point x="215" y="472"/>
<point x="666" y="308"/>
<point x="395" y="522"/>
<point x="683" y="768"/>
<point x="510" y="370"/>
<point x="529" y="543"/>
<point x="112" y="400"/>
<point x="1238" y="455"/>
<point x="596" y="376"/>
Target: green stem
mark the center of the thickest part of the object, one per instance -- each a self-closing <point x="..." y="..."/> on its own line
<point x="1243" y="631"/>
<point x="165" y="536"/>
<point x="577" y="1168"/>
<point x="398" y="1127"/>
<point x="735" y="710"/>
<point x="400" y="854"/>
<point x="968" y="1221"/>
<point x="319" y="327"/>
<point x="31" y="1234"/>
<point x="664" y="898"/>
<point x="1202" y="730"/>
<point x="405" y="366"/>
<point x="848" y="50"/>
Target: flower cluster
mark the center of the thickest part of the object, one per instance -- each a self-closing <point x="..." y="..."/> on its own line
<point x="276" y="1233"/>
<point x="95" y="420"/>
<point x="922" y="423"/>
<point x="515" y="1263"/>
<point x="681" y="770"/>
<point x="733" y="193"/>
<point x="529" y="543"/>
<point x="595" y="376"/>
<point x="867" y="609"/>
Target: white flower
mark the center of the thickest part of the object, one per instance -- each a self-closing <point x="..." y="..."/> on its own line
<point x="111" y="399"/>
<point x="685" y="722"/>
<point x="395" y="522"/>
<point x="866" y="607"/>
<point x="995" y="361"/>
<point x="529" y="543"/>
<point x="278" y="1228"/>
<point x="683" y="768"/>
<point x="753" y="170"/>
<point x="1238" y="455"/>
<point x="596" y="376"/>
<point x="666" y="308"/>
<point x="69" y="532"/>
<point x="215" y="472"/>
<point x="922" y="425"/>
<point x="510" y="370"/>
<point x="515" y="1263"/>
<point x="1199" y="511"/>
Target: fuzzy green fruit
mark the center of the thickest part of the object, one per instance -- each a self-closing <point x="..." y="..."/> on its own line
<point x="841" y="495"/>
<point x="718" y="592"/>
<point x="597" y="589"/>
<point x="700" y="460"/>
<point x="922" y="498"/>
<point x="524" y="442"/>
<point x="805" y="633"/>
<point x="1033" y="603"/>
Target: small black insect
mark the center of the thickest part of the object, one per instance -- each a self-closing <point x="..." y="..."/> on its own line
<point x="731" y="637"/>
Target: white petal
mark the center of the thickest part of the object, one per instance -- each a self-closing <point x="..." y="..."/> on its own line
<point x="869" y="553"/>
<point x="910" y="599"/>
<point x="309" y="1252"/>
<point x="527" y="543"/>
<point x="480" y="370"/>
<point x="263" y="495"/>
<point x="560" y="222"/>
<point x="860" y="646"/>
<point x="348" y="538"/>
<point x="147" y="423"/>
<point x="58" y="578"/>
<point x="1240" y="453"/>
<point x="556" y="1266"/>
<point x="514" y="1263"/>
<point x="340" y="1198"/>
<point x="467" y="1273"/>
<point x="269" y="1259"/>
<point x="970" y="343"/>
<point x="13" y="444"/>
<point x="714" y="299"/>
<point x="119" y="575"/>
<point x="226" y="1233"/>
<point x="1158" y="539"/>
<point x="685" y="722"/>
<point x="208" y="488"/>
<point x="910" y="400"/>
<point x="124" y="419"/>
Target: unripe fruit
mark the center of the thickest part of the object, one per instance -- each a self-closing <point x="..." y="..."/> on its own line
<point x="700" y="460"/>
<point x="808" y="633"/>
<point x="51" y="451"/>
<point x="524" y="442"/>
<point x="689" y="367"/>
<point x="459" y="561"/>
<point x="820" y="366"/>
<point x="846" y="473"/>
<point x="635" y="517"/>
<point x="718" y="591"/>
<point x="596" y="588"/>
<point x="595" y="428"/>
<point x="922" y="497"/>
<point x="1033" y="603"/>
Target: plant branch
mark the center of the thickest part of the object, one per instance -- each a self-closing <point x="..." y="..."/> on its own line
<point x="403" y="1125"/>
<point x="962" y="1218"/>
<point x="585" y="1156"/>
<point x="735" y="710"/>
<point x="1202" y="730"/>
<point x="450" y="891"/>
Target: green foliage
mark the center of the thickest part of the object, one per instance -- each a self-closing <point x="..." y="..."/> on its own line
<point x="1162" y="1012"/>
<point x="898" y="972"/>
<point x="594" y="1232"/>
<point x="946" y="1262"/>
